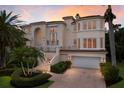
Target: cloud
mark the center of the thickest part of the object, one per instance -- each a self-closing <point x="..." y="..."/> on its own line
<point x="83" y="10"/>
<point x="31" y="13"/>
<point x="25" y="15"/>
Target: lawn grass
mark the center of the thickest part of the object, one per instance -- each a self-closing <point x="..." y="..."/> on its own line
<point x="5" y="83"/>
<point x="121" y="83"/>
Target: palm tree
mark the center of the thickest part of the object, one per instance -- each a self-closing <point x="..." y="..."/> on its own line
<point x="109" y="16"/>
<point x="10" y="34"/>
<point x="27" y="57"/>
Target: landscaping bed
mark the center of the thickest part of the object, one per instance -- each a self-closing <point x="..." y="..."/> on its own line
<point x="121" y="70"/>
<point x="5" y="83"/>
<point x="110" y="73"/>
<point x="61" y="67"/>
<point x="7" y="71"/>
<point x="36" y="79"/>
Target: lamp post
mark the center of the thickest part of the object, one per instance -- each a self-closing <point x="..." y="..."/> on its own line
<point x="109" y="16"/>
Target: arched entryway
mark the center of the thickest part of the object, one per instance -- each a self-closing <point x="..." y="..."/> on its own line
<point x="38" y="36"/>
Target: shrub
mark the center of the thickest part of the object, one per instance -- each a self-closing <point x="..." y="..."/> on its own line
<point x="18" y="80"/>
<point x="110" y="73"/>
<point x="60" y="67"/>
<point x="16" y="64"/>
<point x="68" y="64"/>
<point x="6" y="71"/>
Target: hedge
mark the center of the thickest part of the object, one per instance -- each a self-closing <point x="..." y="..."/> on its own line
<point x="61" y="67"/>
<point x="7" y="71"/>
<point x="20" y="81"/>
<point x="110" y="73"/>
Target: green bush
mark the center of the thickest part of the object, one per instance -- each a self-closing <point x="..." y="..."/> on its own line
<point x="18" y="80"/>
<point x="68" y="64"/>
<point x="6" y="71"/>
<point x="60" y="67"/>
<point x="11" y="66"/>
<point x="110" y="73"/>
<point x="16" y="64"/>
<point x="30" y="64"/>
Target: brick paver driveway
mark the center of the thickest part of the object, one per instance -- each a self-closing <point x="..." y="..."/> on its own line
<point x="78" y="78"/>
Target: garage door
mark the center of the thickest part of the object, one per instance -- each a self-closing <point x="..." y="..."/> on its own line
<point x="86" y="62"/>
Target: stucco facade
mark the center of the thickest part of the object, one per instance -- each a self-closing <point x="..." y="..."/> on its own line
<point x="71" y="34"/>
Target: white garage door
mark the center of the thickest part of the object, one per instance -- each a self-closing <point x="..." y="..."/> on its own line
<point x="86" y="62"/>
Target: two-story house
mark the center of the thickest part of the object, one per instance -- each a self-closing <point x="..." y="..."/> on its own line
<point x="79" y="39"/>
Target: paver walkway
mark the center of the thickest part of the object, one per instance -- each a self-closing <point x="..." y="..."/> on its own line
<point x="78" y="78"/>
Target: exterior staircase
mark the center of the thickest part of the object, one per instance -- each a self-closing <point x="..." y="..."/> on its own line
<point x="50" y="59"/>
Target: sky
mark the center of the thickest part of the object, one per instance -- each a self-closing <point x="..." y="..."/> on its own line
<point x="35" y="13"/>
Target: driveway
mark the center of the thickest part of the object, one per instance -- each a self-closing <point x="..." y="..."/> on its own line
<point x="78" y="78"/>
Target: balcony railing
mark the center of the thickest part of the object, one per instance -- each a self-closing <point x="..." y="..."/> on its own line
<point x="52" y="42"/>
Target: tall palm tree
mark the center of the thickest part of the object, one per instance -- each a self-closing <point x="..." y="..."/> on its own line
<point x="10" y="34"/>
<point x="109" y="16"/>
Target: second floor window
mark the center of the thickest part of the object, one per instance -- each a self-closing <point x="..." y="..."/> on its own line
<point x="78" y="46"/>
<point x="94" y="43"/>
<point x="84" y="25"/>
<point x="89" y="25"/>
<point x="101" y="42"/>
<point x="89" y="43"/>
<point x="78" y="27"/>
<point x="94" y="24"/>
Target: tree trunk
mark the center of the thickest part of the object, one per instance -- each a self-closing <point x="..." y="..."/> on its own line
<point x="2" y="55"/>
<point x="28" y="68"/>
<point x="112" y="43"/>
<point x="23" y="69"/>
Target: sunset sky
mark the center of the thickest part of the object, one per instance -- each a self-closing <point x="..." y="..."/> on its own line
<point x="56" y="12"/>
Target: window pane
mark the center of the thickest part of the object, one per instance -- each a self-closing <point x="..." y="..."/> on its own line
<point x="85" y="43"/>
<point x="78" y="27"/>
<point x="84" y="25"/>
<point x="94" y="24"/>
<point x="89" y="25"/>
<point x="78" y="42"/>
<point x="75" y="42"/>
<point x="47" y="42"/>
<point x="57" y="42"/>
<point x="89" y="43"/>
<point x="101" y="42"/>
<point x="94" y="43"/>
